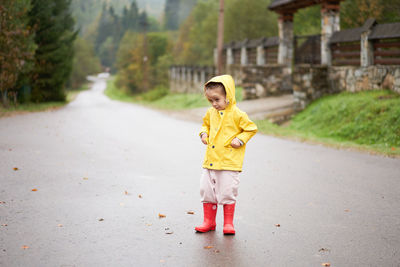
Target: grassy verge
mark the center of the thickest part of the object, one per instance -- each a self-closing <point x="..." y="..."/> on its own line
<point x="36" y="107"/>
<point x="367" y="120"/>
<point x="161" y="98"/>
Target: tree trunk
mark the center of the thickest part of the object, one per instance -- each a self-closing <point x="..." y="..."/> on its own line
<point x="15" y="98"/>
<point x="4" y="98"/>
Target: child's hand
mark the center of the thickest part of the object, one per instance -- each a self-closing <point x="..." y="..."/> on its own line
<point x="235" y="143"/>
<point x="204" y="137"/>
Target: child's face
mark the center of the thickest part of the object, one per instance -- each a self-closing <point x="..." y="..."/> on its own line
<point x="217" y="98"/>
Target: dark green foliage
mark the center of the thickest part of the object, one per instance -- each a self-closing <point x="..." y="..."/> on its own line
<point x="53" y="26"/>
<point x="85" y="63"/>
<point x="130" y="17"/>
<point x="175" y="12"/>
<point x="109" y="33"/>
<point x="143" y="22"/>
<point x="171" y="15"/>
<point x="307" y="21"/>
<point x="111" y="28"/>
<point x="249" y="19"/>
<point x="16" y="48"/>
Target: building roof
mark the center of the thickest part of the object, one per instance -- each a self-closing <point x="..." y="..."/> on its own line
<point x="378" y="31"/>
<point x="277" y="5"/>
<point x="349" y="35"/>
<point x="384" y="31"/>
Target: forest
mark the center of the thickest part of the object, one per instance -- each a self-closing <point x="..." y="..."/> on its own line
<point x="50" y="46"/>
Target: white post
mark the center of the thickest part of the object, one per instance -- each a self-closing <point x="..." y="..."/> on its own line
<point x="243" y="56"/>
<point x="260" y="55"/>
<point x="229" y="56"/>
<point x="367" y="48"/>
<point x="330" y="23"/>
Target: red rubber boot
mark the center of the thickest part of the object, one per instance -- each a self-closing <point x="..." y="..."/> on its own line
<point x="210" y="211"/>
<point x="229" y="211"/>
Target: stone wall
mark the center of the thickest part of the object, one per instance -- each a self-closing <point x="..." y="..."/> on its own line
<point x="355" y="79"/>
<point x="309" y="83"/>
<point x="312" y="82"/>
<point x="261" y="81"/>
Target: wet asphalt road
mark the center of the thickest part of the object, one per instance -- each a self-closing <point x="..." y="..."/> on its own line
<point x="91" y="160"/>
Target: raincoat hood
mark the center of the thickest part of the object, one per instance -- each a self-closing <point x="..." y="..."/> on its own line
<point x="229" y="85"/>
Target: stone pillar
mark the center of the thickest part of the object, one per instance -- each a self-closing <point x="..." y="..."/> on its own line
<point x="215" y="57"/>
<point x="285" y="53"/>
<point x="196" y="75"/>
<point x="229" y="56"/>
<point x="183" y="73"/>
<point x="203" y="76"/>
<point x="243" y="56"/>
<point x="330" y="23"/>
<point x="260" y="55"/>
<point x="367" y="47"/>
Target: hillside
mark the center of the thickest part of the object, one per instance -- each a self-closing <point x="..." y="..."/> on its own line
<point x="86" y="11"/>
<point x="367" y="120"/>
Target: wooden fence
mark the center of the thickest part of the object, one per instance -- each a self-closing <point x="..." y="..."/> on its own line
<point x="347" y="53"/>
<point x="387" y="51"/>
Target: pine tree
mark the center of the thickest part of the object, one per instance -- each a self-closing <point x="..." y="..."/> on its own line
<point x="130" y="17"/>
<point x="109" y="34"/>
<point x="171" y="14"/>
<point x="53" y="26"/>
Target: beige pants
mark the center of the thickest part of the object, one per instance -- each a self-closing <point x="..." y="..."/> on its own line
<point x="219" y="186"/>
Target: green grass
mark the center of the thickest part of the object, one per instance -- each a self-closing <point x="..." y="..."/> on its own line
<point x="36" y="107"/>
<point x="366" y="120"/>
<point x="161" y="97"/>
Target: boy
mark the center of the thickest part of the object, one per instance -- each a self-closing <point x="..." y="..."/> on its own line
<point x="226" y="130"/>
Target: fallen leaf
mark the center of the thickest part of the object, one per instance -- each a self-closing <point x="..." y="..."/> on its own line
<point x="393" y="148"/>
<point x="34" y="189"/>
<point x="326" y="264"/>
<point x="24" y="247"/>
<point x="149" y="224"/>
<point x="216" y="251"/>
<point x="347" y="210"/>
<point x="190" y="212"/>
<point x="324" y="250"/>
<point x="161" y="215"/>
<point x="85" y="178"/>
<point x="101" y="219"/>
<point x="169" y="232"/>
<point x="15" y="169"/>
<point x="208" y="247"/>
<point x="140" y="196"/>
<point x="59" y="225"/>
<point x="126" y="192"/>
<point x="278" y="225"/>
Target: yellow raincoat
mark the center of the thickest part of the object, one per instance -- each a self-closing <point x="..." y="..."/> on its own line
<point x="222" y="128"/>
